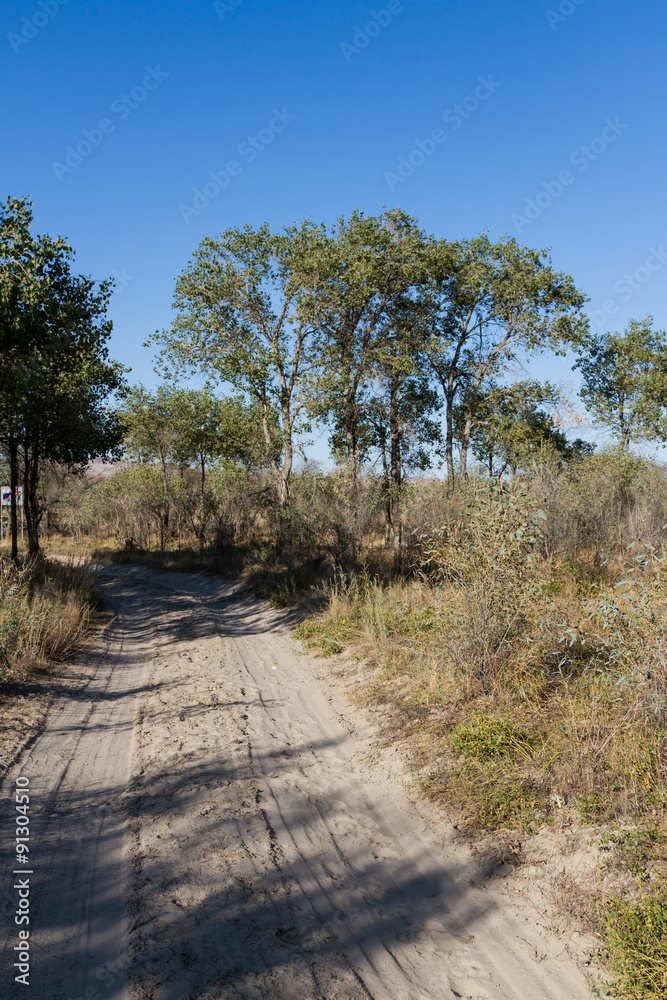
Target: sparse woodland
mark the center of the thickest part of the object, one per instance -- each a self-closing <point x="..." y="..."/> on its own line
<point x="503" y="580"/>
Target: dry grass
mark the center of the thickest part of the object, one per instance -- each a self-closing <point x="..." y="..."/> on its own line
<point x="46" y="611"/>
<point x="517" y="642"/>
<point x="532" y="695"/>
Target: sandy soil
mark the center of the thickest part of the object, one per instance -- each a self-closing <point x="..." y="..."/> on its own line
<point x="213" y="819"/>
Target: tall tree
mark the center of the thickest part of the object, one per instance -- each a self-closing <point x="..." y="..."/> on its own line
<point x="56" y="373"/>
<point x="363" y="268"/>
<point x="242" y="316"/>
<point x="26" y="263"/>
<point x="401" y="407"/>
<point x="625" y="381"/>
<point x="65" y="418"/>
<point x="490" y="303"/>
<point x="512" y="430"/>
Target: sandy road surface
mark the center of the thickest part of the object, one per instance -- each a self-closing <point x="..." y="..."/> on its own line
<point x="206" y="817"/>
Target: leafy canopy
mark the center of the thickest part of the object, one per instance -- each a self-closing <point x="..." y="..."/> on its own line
<point x="625" y="381"/>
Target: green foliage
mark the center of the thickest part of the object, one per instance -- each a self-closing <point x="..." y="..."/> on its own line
<point x="494" y="532"/>
<point x="491" y="302"/>
<point x="56" y="374"/>
<point x="186" y="429"/>
<point x="367" y="382"/>
<point x="637" y="847"/>
<point x="331" y="635"/>
<point x="359" y="326"/>
<point x="489" y="794"/>
<point x="488" y="551"/>
<point x="243" y="317"/>
<point x="590" y="806"/>
<point x="489" y="737"/>
<point x="636" y="945"/>
<point x="191" y="427"/>
<point x="625" y="381"/>
<point x="510" y="430"/>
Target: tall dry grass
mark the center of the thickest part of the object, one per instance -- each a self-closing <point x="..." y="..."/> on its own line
<point x="46" y="611"/>
<point x="527" y="661"/>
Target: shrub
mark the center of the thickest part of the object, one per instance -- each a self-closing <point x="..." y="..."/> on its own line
<point x="636" y="933"/>
<point x="490" y="736"/>
<point x="46" y="610"/>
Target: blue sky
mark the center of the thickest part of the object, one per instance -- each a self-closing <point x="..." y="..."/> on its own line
<point x="153" y="98"/>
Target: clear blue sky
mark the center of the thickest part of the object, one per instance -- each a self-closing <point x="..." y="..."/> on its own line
<point x="169" y="92"/>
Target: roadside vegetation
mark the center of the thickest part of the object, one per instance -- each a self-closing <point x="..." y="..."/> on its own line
<point x="498" y="581"/>
<point x="524" y="663"/>
<point x="47" y="609"/>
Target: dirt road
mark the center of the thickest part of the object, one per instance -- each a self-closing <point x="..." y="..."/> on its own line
<point x="207" y="823"/>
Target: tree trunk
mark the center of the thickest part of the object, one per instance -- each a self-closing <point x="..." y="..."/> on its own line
<point x="449" y="441"/>
<point x="283" y="483"/>
<point x="465" y="442"/>
<point x="30" y="499"/>
<point x="386" y="484"/>
<point x="282" y="472"/>
<point x="396" y="469"/>
<point x="626" y="431"/>
<point x="13" y="486"/>
<point x="352" y="446"/>
<point x="166" y="517"/>
<point x="203" y="506"/>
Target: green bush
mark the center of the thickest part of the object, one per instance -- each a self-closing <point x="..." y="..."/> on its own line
<point x="490" y="737"/>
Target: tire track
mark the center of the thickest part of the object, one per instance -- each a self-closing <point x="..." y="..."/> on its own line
<point x="347" y="896"/>
<point x="203" y="779"/>
<point x="78" y="771"/>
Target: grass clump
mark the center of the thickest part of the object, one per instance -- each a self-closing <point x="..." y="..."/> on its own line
<point x="46" y="611"/>
<point x="489" y="737"/>
<point x="637" y="848"/>
<point x="488" y="796"/>
<point x="331" y="635"/>
<point x="636" y="945"/>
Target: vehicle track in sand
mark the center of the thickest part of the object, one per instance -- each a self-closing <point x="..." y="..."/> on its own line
<point x="206" y="818"/>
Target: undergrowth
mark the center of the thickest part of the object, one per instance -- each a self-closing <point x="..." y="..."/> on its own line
<point x="636" y="944"/>
<point x="46" y="611"/>
<point x="551" y="682"/>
